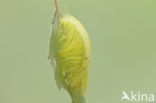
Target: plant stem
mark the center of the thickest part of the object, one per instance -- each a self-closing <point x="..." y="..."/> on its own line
<point x="56" y="8"/>
<point x="55" y="3"/>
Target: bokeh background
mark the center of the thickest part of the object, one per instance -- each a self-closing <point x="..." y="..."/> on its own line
<point x="123" y="38"/>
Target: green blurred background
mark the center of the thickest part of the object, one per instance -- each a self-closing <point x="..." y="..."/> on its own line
<point x="123" y="38"/>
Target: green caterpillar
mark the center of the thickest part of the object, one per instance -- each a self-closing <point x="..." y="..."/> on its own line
<point x="69" y="52"/>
